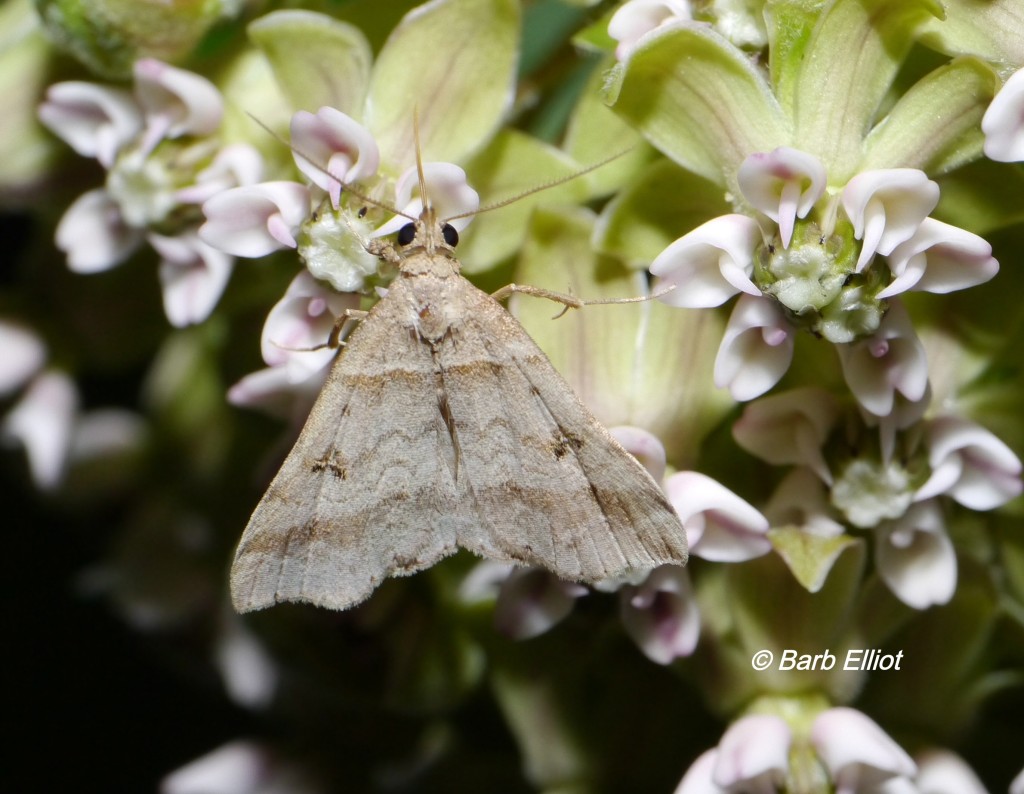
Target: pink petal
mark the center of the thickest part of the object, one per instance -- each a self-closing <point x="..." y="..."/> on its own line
<point x="940" y="258"/>
<point x="193" y="276"/>
<point x="697" y="779"/>
<point x="789" y="428"/>
<point x="450" y="195"/>
<point x="644" y="446"/>
<point x="24" y="353"/>
<point x="710" y="264"/>
<point x="886" y="207"/>
<point x="856" y="751"/>
<point x="96" y="121"/>
<point x="719" y="525"/>
<point x="255" y="220"/>
<point x="532" y="601"/>
<point x="235" y="165"/>
<point x="783" y="184"/>
<point x="756" y="349"/>
<point x="175" y="102"/>
<point x="1003" y="123"/>
<point x="891" y="360"/>
<point x="638" y="17"/>
<point x="94" y="235"/>
<point x="43" y="421"/>
<point x="661" y="615"/>
<point x="754" y="754"/>
<point x="915" y="557"/>
<point x="944" y="772"/>
<point x="332" y="148"/>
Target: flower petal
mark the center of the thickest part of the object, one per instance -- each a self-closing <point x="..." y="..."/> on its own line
<point x="886" y="207"/>
<point x="889" y="361"/>
<point x="193" y="276"/>
<point x="753" y="754"/>
<point x="644" y="446"/>
<point x="915" y="557"/>
<point x="94" y="235"/>
<point x="756" y="349"/>
<point x="1003" y="123"/>
<point x="43" y="421"/>
<point x="661" y="614"/>
<point x="24" y="354"/>
<point x="96" y="121"/>
<point x="783" y="184"/>
<point x="450" y="195"/>
<point x="332" y="149"/>
<point x="944" y="772"/>
<point x="719" y="525"/>
<point x="233" y="166"/>
<point x="255" y="220"/>
<point x="531" y="601"/>
<point x="940" y="258"/>
<point x="969" y="464"/>
<point x="710" y="264"/>
<point x="697" y="779"/>
<point x="789" y="428"/>
<point x="175" y="102"/>
<point x="636" y="18"/>
<point x="856" y="751"/>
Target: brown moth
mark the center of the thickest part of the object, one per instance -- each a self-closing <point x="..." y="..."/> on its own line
<point x="441" y="426"/>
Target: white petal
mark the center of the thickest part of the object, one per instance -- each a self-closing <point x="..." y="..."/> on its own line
<point x="249" y="673"/>
<point x="661" y="615"/>
<point x="754" y="754"/>
<point x="175" y="102"/>
<point x="710" y="264"/>
<point x="856" y="751"/>
<point x="789" y="428"/>
<point x="240" y="767"/>
<point x="989" y="473"/>
<point x="43" y="421"/>
<point x="93" y="233"/>
<point x="255" y="220"/>
<point x="23" y="355"/>
<point x="1017" y="784"/>
<point x="193" y="276"/>
<point x="944" y="772"/>
<point x="886" y="207"/>
<point x="96" y="121"/>
<point x="916" y="558"/>
<point x="272" y="391"/>
<point x="103" y="432"/>
<point x="1003" y="123"/>
<point x="890" y="361"/>
<point x="644" y="446"/>
<point x="638" y="17"/>
<point x="800" y="500"/>
<point x="940" y="258"/>
<point x="532" y="601"/>
<point x="332" y="148"/>
<point x="450" y="195"/>
<point x="719" y="525"/>
<point x="234" y="166"/>
<point x="783" y="184"/>
<point x="756" y="349"/>
<point x="697" y="779"/>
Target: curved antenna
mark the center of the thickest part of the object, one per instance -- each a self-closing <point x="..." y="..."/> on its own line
<point x="538" y="188"/>
<point x="345" y="185"/>
<point x="428" y="208"/>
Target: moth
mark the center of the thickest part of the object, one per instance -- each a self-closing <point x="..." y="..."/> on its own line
<point x="442" y="426"/>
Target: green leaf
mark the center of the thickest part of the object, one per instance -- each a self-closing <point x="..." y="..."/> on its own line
<point x="936" y="125"/>
<point x="993" y="30"/>
<point x="317" y="60"/>
<point x="810" y="557"/>
<point x="512" y="164"/>
<point x="662" y="204"/>
<point x="623" y="360"/>
<point x="846" y="69"/>
<point x="596" y="132"/>
<point x="790" y="24"/>
<point x="699" y="100"/>
<point x="453" y="62"/>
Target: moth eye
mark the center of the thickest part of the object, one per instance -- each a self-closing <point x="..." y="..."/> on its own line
<point x="406" y="234"/>
<point x="451" y="236"/>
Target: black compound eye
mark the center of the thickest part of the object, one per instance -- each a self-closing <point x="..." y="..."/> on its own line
<point x="451" y="236"/>
<point x="406" y="234"/>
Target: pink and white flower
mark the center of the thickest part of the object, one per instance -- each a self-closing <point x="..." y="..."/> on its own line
<point x="333" y="149"/>
<point x="661" y="615"/>
<point x="1003" y="123"/>
<point x="719" y="525"/>
<point x="637" y="18"/>
<point x="756" y="348"/>
<point x="857" y="753"/>
<point x="753" y="755"/>
<point x="916" y="558"/>
<point x="784" y="184"/>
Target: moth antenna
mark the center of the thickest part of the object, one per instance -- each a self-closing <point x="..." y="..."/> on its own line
<point x="345" y="185"/>
<point x="538" y="188"/>
<point x="427" y="207"/>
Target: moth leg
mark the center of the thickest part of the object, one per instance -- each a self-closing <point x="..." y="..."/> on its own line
<point x="567" y="301"/>
<point x="346" y="317"/>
